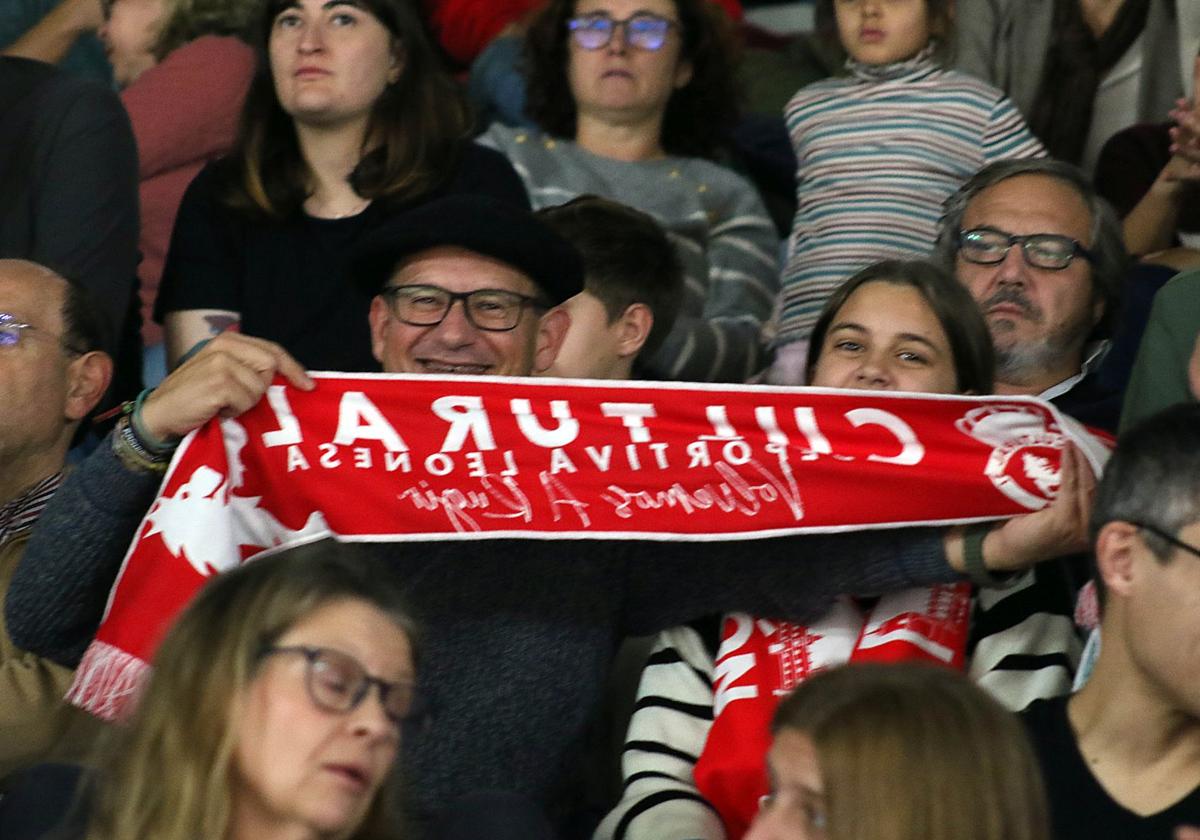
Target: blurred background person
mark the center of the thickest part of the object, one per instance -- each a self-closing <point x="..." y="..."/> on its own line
<point x="899" y="752"/>
<point x="1081" y="70"/>
<point x="632" y="97"/>
<point x="68" y="195"/>
<point x="183" y="74"/>
<point x="59" y="32"/>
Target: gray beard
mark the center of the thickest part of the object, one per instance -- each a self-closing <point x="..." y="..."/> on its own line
<point x="1025" y="364"/>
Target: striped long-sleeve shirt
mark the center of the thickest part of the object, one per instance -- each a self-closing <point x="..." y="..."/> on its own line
<point x="878" y="153"/>
<point x="718" y="224"/>
<point x="1023" y="647"/>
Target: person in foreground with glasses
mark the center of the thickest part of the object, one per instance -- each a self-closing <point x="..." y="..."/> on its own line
<point x="1121" y="757"/>
<point x="633" y="98"/>
<point x="276" y="709"/>
<point x="1042" y="254"/>
<point x="899" y="752"/>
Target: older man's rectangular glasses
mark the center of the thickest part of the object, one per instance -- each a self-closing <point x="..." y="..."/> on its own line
<point x="988" y="246"/>
<point x="643" y="30"/>
<point x="13" y="332"/>
<point x="496" y="310"/>
<point x="1168" y="538"/>
<point x="337" y="682"/>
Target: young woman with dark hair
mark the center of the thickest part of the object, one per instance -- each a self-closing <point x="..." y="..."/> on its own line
<point x="348" y="121"/>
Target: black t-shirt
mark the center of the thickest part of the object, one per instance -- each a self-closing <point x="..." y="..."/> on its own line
<point x="289" y="279"/>
<point x="1080" y="808"/>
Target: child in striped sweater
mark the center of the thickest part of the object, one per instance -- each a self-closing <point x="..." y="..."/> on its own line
<point x="878" y="151"/>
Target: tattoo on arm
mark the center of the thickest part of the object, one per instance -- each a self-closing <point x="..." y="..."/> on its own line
<point x="217" y="324"/>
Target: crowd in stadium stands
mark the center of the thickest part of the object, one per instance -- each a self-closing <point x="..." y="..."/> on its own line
<point x="200" y="199"/>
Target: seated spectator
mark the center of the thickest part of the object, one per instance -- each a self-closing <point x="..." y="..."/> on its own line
<point x="464" y="28"/>
<point x="632" y="286"/>
<point x="184" y="77"/>
<point x="520" y="663"/>
<point x="899" y="752"/>
<point x="1078" y="71"/>
<point x="879" y="151"/>
<point x="893" y="326"/>
<point x="1041" y="253"/>
<point x="1121" y="757"/>
<point x="54" y="373"/>
<point x="68" y="194"/>
<point x="628" y="108"/>
<point x="1149" y="173"/>
<point x="61" y="32"/>
<point x="349" y="122"/>
<point x="275" y="709"/>
<point x="1166" y="367"/>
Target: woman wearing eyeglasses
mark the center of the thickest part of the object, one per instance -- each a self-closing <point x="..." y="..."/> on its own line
<point x="274" y="710"/>
<point x="632" y="96"/>
<point x="348" y="122"/>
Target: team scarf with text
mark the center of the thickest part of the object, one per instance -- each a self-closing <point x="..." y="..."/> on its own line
<point x="760" y="660"/>
<point x="391" y="458"/>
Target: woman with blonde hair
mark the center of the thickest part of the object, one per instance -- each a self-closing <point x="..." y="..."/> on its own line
<point x="274" y="709"/>
<point x="899" y="752"/>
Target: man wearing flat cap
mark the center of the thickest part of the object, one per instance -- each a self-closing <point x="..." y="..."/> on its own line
<point x="518" y="634"/>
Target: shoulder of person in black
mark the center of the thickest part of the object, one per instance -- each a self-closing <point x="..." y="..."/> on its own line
<point x="288" y="276"/>
<point x="1080" y="808"/>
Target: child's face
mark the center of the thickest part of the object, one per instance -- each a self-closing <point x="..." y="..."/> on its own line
<point x="882" y="31"/>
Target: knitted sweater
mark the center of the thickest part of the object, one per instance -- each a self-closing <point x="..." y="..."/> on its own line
<point x="716" y="221"/>
<point x="518" y="633"/>
<point x="878" y="153"/>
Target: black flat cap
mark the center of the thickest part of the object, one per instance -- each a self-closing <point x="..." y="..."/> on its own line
<point x="476" y="223"/>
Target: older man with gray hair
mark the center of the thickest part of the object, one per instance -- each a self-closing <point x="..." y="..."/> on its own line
<point x="1043" y="255"/>
<point x="1049" y="301"/>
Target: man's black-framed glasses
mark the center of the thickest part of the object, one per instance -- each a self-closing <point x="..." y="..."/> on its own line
<point x="337" y="682"/>
<point x="643" y="30"/>
<point x="13" y="331"/>
<point x="495" y="310"/>
<point x="989" y="246"/>
<point x="1168" y="538"/>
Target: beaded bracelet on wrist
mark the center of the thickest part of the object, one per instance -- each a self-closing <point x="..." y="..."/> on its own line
<point x="132" y="452"/>
<point x="148" y="442"/>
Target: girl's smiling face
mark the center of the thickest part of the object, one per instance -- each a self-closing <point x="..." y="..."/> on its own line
<point x="885" y="337"/>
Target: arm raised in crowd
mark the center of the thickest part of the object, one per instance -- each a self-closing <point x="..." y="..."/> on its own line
<point x="53" y="36"/>
<point x="796" y="578"/>
<point x="60" y="588"/>
<point x="1151" y="225"/>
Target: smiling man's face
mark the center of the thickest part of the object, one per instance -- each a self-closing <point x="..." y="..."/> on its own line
<point x="456" y="346"/>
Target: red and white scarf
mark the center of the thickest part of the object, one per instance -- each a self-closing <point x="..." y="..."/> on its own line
<point x="418" y="458"/>
<point x="760" y="661"/>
